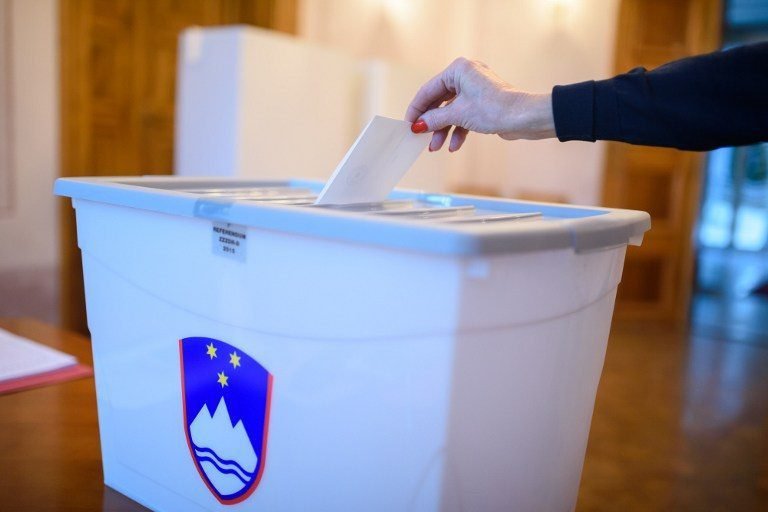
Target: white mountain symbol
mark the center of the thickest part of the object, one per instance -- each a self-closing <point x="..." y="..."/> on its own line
<point x="224" y="451"/>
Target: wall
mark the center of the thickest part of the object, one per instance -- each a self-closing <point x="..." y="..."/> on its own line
<point x="28" y="244"/>
<point x="532" y="44"/>
<point x="244" y="106"/>
<point x="535" y="45"/>
<point x="425" y="34"/>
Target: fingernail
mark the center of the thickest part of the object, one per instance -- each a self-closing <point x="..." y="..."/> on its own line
<point x="419" y="126"/>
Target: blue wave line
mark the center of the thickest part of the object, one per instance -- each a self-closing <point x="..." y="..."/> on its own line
<point x="222" y="470"/>
<point x="222" y="461"/>
<point x="221" y="465"/>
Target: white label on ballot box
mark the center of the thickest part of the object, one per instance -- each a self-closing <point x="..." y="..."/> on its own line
<point x="229" y="240"/>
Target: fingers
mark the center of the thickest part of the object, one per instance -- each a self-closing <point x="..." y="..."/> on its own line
<point x="440" y="88"/>
<point x="438" y="138"/>
<point x="432" y="93"/>
<point x="458" y="137"/>
<point x="438" y="118"/>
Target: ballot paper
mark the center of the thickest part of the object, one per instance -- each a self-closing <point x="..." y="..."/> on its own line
<point x="20" y="357"/>
<point x="375" y="163"/>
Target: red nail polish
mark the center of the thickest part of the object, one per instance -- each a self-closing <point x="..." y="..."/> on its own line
<point x="419" y="126"/>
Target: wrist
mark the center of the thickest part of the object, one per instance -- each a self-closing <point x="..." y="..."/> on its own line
<point x="531" y="117"/>
<point x="538" y="118"/>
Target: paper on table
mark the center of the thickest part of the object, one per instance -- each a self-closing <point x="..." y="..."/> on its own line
<point x="20" y="357"/>
<point x="375" y="163"/>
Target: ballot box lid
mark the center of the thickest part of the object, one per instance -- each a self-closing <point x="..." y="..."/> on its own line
<point x="437" y="223"/>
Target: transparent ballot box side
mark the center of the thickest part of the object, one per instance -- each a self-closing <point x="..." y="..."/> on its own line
<point x="429" y="352"/>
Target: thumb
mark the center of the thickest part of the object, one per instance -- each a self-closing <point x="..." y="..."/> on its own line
<point x="439" y="118"/>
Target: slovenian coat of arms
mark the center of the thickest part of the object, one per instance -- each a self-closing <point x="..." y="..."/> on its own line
<point x="226" y="398"/>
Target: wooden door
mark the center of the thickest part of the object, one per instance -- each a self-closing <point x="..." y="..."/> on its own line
<point x="664" y="182"/>
<point x="118" y="72"/>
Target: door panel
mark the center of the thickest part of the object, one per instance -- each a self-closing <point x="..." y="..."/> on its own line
<point x="664" y="182"/>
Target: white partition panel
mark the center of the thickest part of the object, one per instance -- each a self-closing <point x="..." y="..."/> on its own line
<point x="253" y="102"/>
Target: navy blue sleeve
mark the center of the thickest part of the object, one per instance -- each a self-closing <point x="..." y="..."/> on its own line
<point x="697" y="103"/>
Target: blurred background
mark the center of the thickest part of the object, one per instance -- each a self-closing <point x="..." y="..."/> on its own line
<point x="133" y="87"/>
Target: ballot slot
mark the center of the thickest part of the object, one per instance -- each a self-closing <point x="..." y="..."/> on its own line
<point x="379" y="206"/>
<point x="272" y="195"/>
<point x="262" y="193"/>
<point x="404" y="209"/>
<point x="433" y="210"/>
<point x="430" y="212"/>
<point x="287" y="199"/>
<point x="437" y="207"/>
<point x="293" y="202"/>
<point x="493" y="217"/>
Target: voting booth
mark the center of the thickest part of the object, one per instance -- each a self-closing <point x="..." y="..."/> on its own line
<point x="429" y="352"/>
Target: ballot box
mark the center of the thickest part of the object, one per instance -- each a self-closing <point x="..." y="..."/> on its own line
<point x="430" y="352"/>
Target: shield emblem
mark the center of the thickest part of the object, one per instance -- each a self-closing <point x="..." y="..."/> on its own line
<point x="226" y="397"/>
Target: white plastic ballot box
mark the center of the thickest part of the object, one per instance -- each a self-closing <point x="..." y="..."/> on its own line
<point x="428" y="353"/>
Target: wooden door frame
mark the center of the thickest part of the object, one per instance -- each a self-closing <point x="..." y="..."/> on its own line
<point x="670" y="241"/>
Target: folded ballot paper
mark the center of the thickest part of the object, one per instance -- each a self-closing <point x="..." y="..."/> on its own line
<point x="375" y="163"/>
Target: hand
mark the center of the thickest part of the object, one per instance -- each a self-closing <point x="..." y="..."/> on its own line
<point x="477" y="100"/>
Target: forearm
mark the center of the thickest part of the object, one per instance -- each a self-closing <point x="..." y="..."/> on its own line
<point x="530" y="117"/>
<point x="698" y="103"/>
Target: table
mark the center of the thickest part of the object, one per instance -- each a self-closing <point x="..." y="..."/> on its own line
<point x="49" y="438"/>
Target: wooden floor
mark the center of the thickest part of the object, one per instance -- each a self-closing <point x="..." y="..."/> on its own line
<point x="680" y="423"/>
